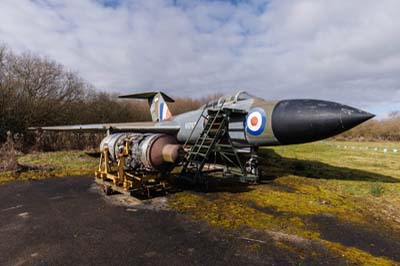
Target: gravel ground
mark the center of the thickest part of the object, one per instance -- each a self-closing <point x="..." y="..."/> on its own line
<point x="68" y="221"/>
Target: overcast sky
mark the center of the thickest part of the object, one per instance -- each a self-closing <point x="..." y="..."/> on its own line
<point x="345" y="51"/>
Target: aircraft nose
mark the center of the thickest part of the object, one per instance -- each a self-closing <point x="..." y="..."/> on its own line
<point x="300" y="121"/>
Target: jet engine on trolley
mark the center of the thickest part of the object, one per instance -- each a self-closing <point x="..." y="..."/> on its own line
<point x="147" y="152"/>
<point x="136" y="161"/>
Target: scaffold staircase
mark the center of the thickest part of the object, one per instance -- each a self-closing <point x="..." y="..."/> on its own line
<point x="212" y="143"/>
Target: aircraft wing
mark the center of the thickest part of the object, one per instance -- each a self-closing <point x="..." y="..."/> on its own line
<point x="141" y="127"/>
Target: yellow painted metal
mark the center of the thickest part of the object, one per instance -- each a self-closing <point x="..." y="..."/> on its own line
<point x="115" y="174"/>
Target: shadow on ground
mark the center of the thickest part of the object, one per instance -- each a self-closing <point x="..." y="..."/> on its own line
<point x="376" y="242"/>
<point x="275" y="166"/>
<point x="373" y="238"/>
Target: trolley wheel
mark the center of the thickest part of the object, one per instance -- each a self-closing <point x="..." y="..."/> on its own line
<point x="260" y="174"/>
<point x="204" y="184"/>
<point x="107" y="190"/>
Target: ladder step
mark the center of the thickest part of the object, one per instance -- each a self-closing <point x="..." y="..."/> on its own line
<point x="228" y="153"/>
<point x="199" y="148"/>
<point x="195" y="162"/>
<point x="213" y="131"/>
<point x="205" y="142"/>
<point x="199" y="154"/>
<point x="203" y="148"/>
<point x="205" y="137"/>
<point x="224" y="146"/>
<point x="236" y="171"/>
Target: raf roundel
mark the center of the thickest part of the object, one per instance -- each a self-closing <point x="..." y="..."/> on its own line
<point x="255" y="122"/>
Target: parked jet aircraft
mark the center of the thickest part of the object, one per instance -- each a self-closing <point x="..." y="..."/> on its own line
<point x="224" y="126"/>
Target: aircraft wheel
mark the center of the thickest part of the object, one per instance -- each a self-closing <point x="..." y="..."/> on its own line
<point x="204" y="185"/>
<point x="107" y="190"/>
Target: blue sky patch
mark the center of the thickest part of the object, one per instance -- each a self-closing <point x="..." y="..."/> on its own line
<point x="110" y="3"/>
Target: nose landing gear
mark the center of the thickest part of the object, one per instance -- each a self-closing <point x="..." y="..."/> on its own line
<point x="251" y="166"/>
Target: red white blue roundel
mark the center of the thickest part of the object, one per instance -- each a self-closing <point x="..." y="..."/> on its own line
<point x="255" y="121"/>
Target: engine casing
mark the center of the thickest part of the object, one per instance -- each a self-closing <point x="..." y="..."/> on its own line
<point x="150" y="152"/>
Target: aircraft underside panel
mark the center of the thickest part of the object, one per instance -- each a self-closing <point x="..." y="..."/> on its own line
<point x="236" y="130"/>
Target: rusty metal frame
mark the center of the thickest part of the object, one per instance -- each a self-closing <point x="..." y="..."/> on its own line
<point x="121" y="181"/>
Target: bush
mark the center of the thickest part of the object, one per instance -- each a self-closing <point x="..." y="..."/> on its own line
<point x="36" y="91"/>
<point x="377" y="190"/>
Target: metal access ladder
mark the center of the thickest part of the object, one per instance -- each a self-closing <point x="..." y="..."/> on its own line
<point x="213" y="141"/>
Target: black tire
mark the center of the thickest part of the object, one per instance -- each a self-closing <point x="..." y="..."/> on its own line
<point x="204" y="185"/>
<point x="107" y="190"/>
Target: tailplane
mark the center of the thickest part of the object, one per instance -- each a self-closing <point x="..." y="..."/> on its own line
<point x="157" y="102"/>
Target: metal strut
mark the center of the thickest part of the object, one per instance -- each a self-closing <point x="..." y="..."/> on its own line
<point x="213" y="140"/>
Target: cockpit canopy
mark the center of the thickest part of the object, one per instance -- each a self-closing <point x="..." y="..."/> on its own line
<point x="230" y="99"/>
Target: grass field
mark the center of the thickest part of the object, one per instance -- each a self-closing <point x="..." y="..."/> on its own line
<point x="346" y="201"/>
<point x="55" y="164"/>
<point x="318" y="199"/>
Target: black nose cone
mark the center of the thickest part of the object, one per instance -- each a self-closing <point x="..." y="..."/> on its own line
<point x="301" y="121"/>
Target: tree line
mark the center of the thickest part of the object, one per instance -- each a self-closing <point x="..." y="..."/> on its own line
<point x="37" y="91"/>
<point x="375" y="130"/>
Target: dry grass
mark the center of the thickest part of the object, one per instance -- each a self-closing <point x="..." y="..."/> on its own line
<point x="316" y="187"/>
<point x="51" y="164"/>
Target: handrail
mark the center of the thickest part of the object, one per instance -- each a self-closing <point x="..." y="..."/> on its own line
<point x="194" y="128"/>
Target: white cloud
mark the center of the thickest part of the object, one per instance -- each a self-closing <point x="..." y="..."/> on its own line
<point x="347" y="51"/>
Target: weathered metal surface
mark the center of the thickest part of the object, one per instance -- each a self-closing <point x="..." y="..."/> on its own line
<point x="141" y="150"/>
<point x="304" y="120"/>
<point x="146" y="151"/>
<point x="119" y="175"/>
<point x="267" y="137"/>
<point x="266" y="123"/>
<point x="172" y="153"/>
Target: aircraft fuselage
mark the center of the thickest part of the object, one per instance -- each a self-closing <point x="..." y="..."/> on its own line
<point x="269" y="123"/>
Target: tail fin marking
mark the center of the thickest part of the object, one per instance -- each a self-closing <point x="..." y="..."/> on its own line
<point x="157" y="102"/>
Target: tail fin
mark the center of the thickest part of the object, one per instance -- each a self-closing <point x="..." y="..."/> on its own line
<point x="158" y="104"/>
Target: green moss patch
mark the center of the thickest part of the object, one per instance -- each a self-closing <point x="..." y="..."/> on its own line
<point x="309" y="181"/>
<point x="54" y="164"/>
